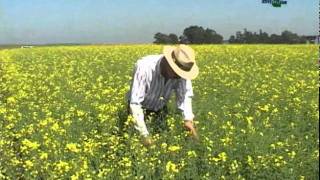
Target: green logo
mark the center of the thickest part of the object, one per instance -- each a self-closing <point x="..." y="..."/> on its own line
<point x="274" y="3"/>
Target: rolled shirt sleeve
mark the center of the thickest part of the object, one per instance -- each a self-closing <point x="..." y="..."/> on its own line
<point x="136" y="98"/>
<point x="184" y="94"/>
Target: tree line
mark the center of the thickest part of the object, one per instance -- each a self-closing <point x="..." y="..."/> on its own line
<point x="191" y="35"/>
<point x="200" y="35"/>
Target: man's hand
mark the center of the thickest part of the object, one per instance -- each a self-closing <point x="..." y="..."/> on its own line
<point x="146" y="141"/>
<point x="190" y="127"/>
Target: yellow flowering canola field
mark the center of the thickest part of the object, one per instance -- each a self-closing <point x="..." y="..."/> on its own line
<point x="256" y="109"/>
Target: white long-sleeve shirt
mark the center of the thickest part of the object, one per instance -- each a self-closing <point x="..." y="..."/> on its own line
<point x="149" y="90"/>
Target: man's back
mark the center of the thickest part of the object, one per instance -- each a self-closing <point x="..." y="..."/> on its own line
<point x="151" y="90"/>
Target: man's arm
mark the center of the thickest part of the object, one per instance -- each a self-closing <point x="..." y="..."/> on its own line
<point x="184" y="94"/>
<point x="136" y="97"/>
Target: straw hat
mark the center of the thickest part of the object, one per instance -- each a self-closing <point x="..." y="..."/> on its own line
<point x="182" y="60"/>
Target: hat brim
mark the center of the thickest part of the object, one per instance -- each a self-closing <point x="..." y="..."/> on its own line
<point x="191" y="74"/>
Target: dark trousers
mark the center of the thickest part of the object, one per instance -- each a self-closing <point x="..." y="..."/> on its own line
<point x="157" y="119"/>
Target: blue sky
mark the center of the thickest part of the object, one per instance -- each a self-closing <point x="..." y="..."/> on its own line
<point x="136" y="21"/>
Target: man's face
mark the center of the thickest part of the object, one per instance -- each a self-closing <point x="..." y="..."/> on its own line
<point x="167" y="71"/>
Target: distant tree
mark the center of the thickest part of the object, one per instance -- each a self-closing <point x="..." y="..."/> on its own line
<point x="184" y="40"/>
<point x="174" y="38"/>
<point x="247" y="36"/>
<point x="165" y="39"/>
<point x="161" y="38"/>
<point x="212" y="37"/>
<point x="199" y="35"/>
<point x="303" y="39"/>
<point x="191" y="35"/>
<point x="194" y="34"/>
<point x="275" y="39"/>
<point x="263" y="37"/>
<point x="255" y="38"/>
<point x="232" y="39"/>
<point x="238" y="38"/>
<point x="289" y="37"/>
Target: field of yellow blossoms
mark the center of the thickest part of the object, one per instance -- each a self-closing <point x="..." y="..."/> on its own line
<point x="256" y="109"/>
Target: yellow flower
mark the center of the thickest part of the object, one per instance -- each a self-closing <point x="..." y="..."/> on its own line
<point x="171" y="167"/>
<point x="126" y="162"/>
<point x="174" y="148"/>
<point x="316" y="154"/>
<point x="192" y="154"/>
<point x="292" y="154"/>
<point x="62" y="166"/>
<point x="28" y="145"/>
<point x="223" y="156"/>
<point x="43" y="156"/>
<point x="265" y="108"/>
<point x="75" y="177"/>
<point x="234" y="166"/>
<point x="2" y="110"/>
<point x="55" y="127"/>
<point x="226" y="141"/>
<point x="275" y="110"/>
<point x="72" y="147"/>
<point x="250" y="162"/>
<point x="15" y="161"/>
<point x="11" y="100"/>
<point x="273" y="146"/>
<point x="29" y="164"/>
<point x="280" y="143"/>
<point x="164" y="145"/>
<point x="215" y="159"/>
<point x="80" y="113"/>
<point x="89" y="147"/>
<point x="249" y="120"/>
